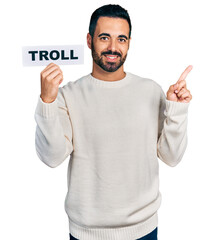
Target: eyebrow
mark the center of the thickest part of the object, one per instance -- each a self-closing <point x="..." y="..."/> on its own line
<point x="104" y="34"/>
<point x="107" y="34"/>
<point x="123" y="36"/>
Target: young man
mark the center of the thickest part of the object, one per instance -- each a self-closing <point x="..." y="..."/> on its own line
<point x="114" y="125"/>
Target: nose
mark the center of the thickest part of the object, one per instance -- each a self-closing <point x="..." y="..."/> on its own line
<point x="112" y="45"/>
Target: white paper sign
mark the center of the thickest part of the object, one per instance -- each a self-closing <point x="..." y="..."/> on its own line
<point x="61" y="55"/>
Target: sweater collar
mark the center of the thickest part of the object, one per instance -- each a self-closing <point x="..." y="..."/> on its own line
<point x="111" y="84"/>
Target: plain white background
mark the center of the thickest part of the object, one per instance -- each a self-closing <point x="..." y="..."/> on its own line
<point x="167" y="36"/>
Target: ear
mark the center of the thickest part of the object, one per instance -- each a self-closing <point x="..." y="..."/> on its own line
<point x="89" y="39"/>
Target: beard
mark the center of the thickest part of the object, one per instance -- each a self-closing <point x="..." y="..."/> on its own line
<point x="109" y="66"/>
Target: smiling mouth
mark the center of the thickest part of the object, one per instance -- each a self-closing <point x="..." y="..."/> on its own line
<point x="111" y="58"/>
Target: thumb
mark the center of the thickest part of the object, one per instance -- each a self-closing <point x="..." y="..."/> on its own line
<point x="175" y="86"/>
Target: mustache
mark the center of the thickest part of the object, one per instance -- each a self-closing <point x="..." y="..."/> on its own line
<point x="111" y="53"/>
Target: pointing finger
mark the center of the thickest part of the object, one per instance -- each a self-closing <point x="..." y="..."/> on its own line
<point x="185" y="73"/>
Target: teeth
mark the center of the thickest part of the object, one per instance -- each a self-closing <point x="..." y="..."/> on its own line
<point x="111" y="57"/>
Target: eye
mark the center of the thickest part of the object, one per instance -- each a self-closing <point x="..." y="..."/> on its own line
<point x="122" y="40"/>
<point x="104" y="38"/>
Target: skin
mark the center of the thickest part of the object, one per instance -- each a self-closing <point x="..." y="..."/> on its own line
<point x="178" y="92"/>
<point x="111" y="35"/>
<point x="51" y="77"/>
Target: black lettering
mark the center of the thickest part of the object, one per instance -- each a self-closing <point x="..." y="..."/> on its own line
<point x="43" y="54"/>
<point x="63" y="55"/>
<point x="52" y="53"/>
<point x="33" y="54"/>
<point x="72" y="55"/>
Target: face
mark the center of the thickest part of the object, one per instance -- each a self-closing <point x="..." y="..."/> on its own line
<point x="110" y="43"/>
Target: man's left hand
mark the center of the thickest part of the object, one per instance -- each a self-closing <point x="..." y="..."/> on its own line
<point x="178" y="91"/>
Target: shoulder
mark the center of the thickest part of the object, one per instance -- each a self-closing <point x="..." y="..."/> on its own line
<point x="151" y="86"/>
<point x="147" y="81"/>
<point x="74" y="85"/>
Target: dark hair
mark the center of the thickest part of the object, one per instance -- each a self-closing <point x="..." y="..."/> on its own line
<point x="110" y="10"/>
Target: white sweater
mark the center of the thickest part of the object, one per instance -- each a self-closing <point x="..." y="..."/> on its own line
<point x="114" y="133"/>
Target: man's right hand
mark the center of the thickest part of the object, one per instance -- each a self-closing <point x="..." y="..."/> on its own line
<point x="51" y="78"/>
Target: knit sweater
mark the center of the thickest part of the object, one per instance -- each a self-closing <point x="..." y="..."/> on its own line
<point x="114" y="133"/>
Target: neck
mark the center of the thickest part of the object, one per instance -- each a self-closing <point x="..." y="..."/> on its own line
<point x="99" y="73"/>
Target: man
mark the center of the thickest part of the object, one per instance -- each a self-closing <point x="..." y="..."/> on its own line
<point x="114" y="125"/>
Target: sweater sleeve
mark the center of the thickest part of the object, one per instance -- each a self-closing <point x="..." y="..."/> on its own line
<point x="172" y="131"/>
<point x="53" y="137"/>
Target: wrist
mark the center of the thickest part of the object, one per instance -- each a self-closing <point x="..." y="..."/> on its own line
<point x="46" y="100"/>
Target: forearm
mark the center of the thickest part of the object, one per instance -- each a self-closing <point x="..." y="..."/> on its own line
<point x="53" y="141"/>
<point x="172" y="142"/>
